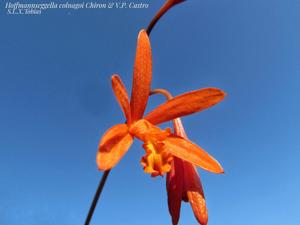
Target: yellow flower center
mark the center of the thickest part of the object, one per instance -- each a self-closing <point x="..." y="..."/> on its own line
<point x="157" y="161"/>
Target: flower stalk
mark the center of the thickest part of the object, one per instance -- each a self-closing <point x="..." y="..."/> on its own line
<point x="169" y="4"/>
<point x="96" y="197"/>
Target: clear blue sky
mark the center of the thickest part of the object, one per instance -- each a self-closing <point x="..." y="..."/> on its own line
<point x="56" y="102"/>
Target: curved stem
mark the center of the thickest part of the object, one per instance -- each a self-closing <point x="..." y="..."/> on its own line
<point x="169" y="4"/>
<point x="156" y="18"/>
<point x="164" y="92"/>
<point x="96" y="197"/>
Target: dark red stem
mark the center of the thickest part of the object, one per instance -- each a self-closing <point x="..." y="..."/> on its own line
<point x="96" y="197"/>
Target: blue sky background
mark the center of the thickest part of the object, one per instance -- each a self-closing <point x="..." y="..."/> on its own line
<point x="56" y="102"/>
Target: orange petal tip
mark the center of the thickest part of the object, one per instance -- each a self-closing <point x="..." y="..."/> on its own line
<point x="142" y="32"/>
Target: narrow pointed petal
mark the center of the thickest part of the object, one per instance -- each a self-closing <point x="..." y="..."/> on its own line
<point x="113" y="146"/>
<point x="175" y="189"/>
<point x="186" y="104"/>
<point x="198" y="205"/>
<point x="194" y="190"/>
<point x="142" y="75"/>
<point x="192" y="153"/>
<point x="122" y="96"/>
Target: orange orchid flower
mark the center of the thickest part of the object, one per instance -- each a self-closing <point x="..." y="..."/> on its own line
<point x="160" y="145"/>
<point x="183" y="184"/>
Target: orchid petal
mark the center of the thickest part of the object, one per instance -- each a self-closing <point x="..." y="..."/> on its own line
<point x="113" y="146"/>
<point x="198" y="205"/>
<point x="175" y="189"/>
<point x="142" y="76"/>
<point x="185" y="104"/>
<point x="194" y="190"/>
<point x="192" y="153"/>
<point x="122" y="96"/>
